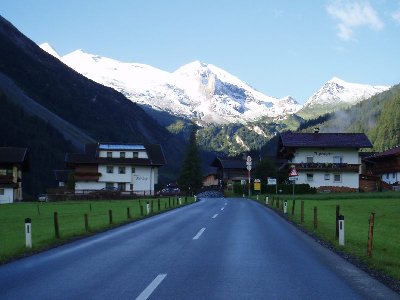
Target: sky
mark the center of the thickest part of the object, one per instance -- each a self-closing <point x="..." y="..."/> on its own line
<point x="281" y="48"/>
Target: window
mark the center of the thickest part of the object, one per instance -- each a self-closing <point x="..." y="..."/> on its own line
<point x="1" y="191"/>
<point x="394" y="175"/>
<point x="109" y="154"/>
<point x="387" y="176"/>
<point x="131" y="186"/>
<point x="122" y="154"/>
<point x="121" y="170"/>
<point x="337" y="159"/>
<point x="309" y="159"/>
<point x="327" y="176"/>
<point x="310" y="177"/>
<point x="135" y="154"/>
<point x="6" y="171"/>
<point x="133" y="170"/>
<point x="121" y="186"/>
<point x="110" y="169"/>
<point x="109" y="186"/>
<point x="337" y="178"/>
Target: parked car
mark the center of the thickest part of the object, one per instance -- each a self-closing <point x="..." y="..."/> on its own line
<point x="43" y="198"/>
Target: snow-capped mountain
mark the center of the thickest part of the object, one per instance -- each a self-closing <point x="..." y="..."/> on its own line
<point x="198" y="91"/>
<point x="338" y="93"/>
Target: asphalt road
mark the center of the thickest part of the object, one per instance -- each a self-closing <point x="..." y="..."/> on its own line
<point x="213" y="249"/>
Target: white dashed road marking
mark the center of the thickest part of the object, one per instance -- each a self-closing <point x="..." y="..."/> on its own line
<point x="151" y="287"/>
<point x="214" y="216"/>
<point x="196" y="237"/>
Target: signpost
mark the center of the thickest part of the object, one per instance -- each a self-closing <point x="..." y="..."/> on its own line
<point x="272" y="181"/>
<point x="257" y="185"/>
<point x="248" y="165"/>
<point x="293" y="176"/>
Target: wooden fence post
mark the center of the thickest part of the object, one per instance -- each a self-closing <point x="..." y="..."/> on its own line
<point x="128" y="212"/>
<point x="56" y="227"/>
<point x="38" y="210"/>
<point x="293" y="205"/>
<point x="337" y="220"/>
<point x="141" y="210"/>
<point x="110" y="216"/>
<point x="302" y="212"/>
<point x="86" y="222"/>
<point x="159" y="204"/>
<point x="370" y="233"/>
<point x="315" y="218"/>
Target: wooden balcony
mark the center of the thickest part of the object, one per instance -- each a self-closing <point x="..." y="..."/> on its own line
<point x="6" y="179"/>
<point x="341" y="167"/>
<point x="87" y="176"/>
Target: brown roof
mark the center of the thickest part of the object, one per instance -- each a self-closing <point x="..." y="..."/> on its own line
<point x="91" y="156"/>
<point x="391" y="152"/>
<point x="324" y="140"/>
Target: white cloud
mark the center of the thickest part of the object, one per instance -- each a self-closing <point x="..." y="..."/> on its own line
<point x="352" y="15"/>
<point x="396" y="16"/>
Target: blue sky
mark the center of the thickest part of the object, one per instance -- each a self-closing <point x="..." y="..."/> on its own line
<point x="281" y="48"/>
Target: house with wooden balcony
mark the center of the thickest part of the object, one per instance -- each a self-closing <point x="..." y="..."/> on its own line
<point x="13" y="161"/>
<point x="385" y="165"/>
<point x="125" y="167"/>
<point x="326" y="161"/>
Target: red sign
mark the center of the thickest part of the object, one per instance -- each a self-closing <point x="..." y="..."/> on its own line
<point x="293" y="171"/>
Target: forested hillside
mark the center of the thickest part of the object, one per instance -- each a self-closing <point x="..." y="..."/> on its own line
<point x="46" y="146"/>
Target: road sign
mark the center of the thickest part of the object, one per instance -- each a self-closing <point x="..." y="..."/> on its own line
<point x="257" y="186"/>
<point x="271" y="181"/>
<point x="293" y="171"/>
<point x="294" y="178"/>
<point x="248" y="163"/>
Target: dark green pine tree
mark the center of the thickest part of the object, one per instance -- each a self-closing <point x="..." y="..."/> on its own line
<point x="190" y="177"/>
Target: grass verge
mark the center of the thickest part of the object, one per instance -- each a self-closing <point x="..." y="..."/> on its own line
<point x="70" y="219"/>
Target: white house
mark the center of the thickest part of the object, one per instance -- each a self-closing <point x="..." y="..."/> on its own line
<point x="116" y="166"/>
<point x="13" y="161"/>
<point x="326" y="161"/>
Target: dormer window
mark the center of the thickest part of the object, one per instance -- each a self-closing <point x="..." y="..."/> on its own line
<point x="135" y="154"/>
<point x="122" y="154"/>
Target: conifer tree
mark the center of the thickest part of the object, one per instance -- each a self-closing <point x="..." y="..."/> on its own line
<point x="190" y="178"/>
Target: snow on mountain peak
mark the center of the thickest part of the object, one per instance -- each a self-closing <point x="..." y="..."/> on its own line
<point x="337" y="92"/>
<point x="49" y="49"/>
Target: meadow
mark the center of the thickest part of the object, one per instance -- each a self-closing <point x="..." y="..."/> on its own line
<point x="356" y="209"/>
<point x="71" y="221"/>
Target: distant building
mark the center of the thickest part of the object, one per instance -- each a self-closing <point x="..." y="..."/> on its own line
<point x="232" y="169"/>
<point x="116" y="166"/>
<point x="211" y="180"/>
<point x="326" y="161"/>
<point x="13" y="161"/>
<point x="386" y="165"/>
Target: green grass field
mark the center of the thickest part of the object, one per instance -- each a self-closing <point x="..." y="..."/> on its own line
<point x="356" y="208"/>
<point x="70" y="219"/>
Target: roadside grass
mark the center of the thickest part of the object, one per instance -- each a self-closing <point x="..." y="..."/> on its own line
<point x="70" y="219"/>
<point x="356" y="208"/>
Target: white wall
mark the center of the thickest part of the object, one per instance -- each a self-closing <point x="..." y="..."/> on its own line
<point x="391" y="177"/>
<point x="349" y="156"/>
<point x="115" y="176"/>
<point x="143" y="179"/>
<point x="348" y="179"/>
<point x="8" y="196"/>
<point x="128" y="153"/>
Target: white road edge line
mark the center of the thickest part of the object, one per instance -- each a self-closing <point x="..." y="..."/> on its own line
<point x="196" y="237"/>
<point x="151" y="287"/>
<point x="214" y="216"/>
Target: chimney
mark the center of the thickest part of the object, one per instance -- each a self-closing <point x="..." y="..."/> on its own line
<point x="316" y="130"/>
